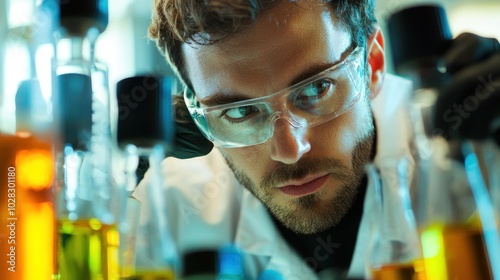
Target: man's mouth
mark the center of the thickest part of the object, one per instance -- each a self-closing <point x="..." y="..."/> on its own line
<point x="305" y="186"/>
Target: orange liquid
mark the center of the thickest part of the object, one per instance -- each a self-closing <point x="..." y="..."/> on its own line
<point x="26" y="209"/>
<point x="398" y="272"/>
<point x="455" y="252"/>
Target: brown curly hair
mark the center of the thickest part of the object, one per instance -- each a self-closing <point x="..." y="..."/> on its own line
<point x="175" y="22"/>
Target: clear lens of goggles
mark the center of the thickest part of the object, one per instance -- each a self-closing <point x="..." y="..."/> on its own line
<point x="311" y="102"/>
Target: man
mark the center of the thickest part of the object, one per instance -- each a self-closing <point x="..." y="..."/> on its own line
<point x="284" y="90"/>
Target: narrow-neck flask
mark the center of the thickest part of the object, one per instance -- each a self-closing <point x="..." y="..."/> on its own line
<point x="395" y="251"/>
<point x="144" y="135"/>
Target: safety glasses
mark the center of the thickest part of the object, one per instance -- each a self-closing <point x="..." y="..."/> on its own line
<point x="308" y="103"/>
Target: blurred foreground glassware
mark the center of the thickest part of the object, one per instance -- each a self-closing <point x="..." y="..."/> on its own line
<point x="451" y="222"/>
<point x="145" y="130"/>
<point x="395" y="252"/>
<point x="27" y="167"/>
<point x="453" y="208"/>
<point x="485" y="205"/>
<point x="156" y="253"/>
<point x="224" y="263"/>
<point x="27" y="216"/>
<point x="27" y="136"/>
<point x="488" y="156"/>
<point x="88" y="201"/>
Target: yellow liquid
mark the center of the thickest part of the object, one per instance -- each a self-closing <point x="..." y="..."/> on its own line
<point x="398" y="272"/>
<point x="455" y="252"/>
<point x="27" y="225"/>
<point x="87" y="250"/>
<point x="166" y="274"/>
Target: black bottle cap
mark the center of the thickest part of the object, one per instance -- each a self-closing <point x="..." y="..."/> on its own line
<point x="418" y="35"/>
<point x="78" y="16"/>
<point x="222" y="263"/>
<point x="145" y="116"/>
<point x="203" y="262"/>
<point x="74" y="100"/>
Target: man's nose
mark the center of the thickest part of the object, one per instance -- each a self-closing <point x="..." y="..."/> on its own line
<point x="289" y="142"/>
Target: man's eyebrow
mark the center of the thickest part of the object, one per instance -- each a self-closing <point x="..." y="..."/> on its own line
<point x="310" y="71"/>
<point x="220" y="98"/>
<point x="317" y="68"/>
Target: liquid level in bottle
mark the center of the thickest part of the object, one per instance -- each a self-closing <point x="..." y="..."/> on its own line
<point x="400" y="271"/>
<point x="455" y="252"/>
<point x="166" y="274"/>
<point x="87" y="250"/>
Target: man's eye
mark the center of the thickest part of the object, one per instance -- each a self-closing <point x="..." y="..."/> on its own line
<point x="312" y="93"/>
<point x="239" y="114"/>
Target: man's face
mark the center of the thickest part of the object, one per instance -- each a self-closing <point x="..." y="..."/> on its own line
<point x="307" y="178"/>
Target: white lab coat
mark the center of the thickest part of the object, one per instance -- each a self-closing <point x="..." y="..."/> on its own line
<point x="208" y="208"/>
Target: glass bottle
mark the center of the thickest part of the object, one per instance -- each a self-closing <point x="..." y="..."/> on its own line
<point x="88" y="238"/>
<point x="144" y="134"/>
<point x="451" y="228"/>
<point x="27" y="137"/>
<point x="454" y="212"/>
<point x="395" y="251"/>
<point x="224" y="263"/>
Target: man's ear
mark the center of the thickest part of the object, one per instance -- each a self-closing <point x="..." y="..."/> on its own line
<point x="376" y="61"/>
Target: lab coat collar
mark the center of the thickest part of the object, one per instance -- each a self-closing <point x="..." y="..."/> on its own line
<point x="257" y="235"/>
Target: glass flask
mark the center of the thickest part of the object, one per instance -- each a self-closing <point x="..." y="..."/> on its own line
<point x="395" y="251"/>
<point x="455" y="219"/>
<point x="144" y="136"/>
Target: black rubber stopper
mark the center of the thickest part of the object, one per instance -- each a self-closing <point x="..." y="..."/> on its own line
<point x="78" y="16"/>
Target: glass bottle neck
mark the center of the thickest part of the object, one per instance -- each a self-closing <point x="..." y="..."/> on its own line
<point x="395" y="201"/>
<point x="75" y="53"/>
